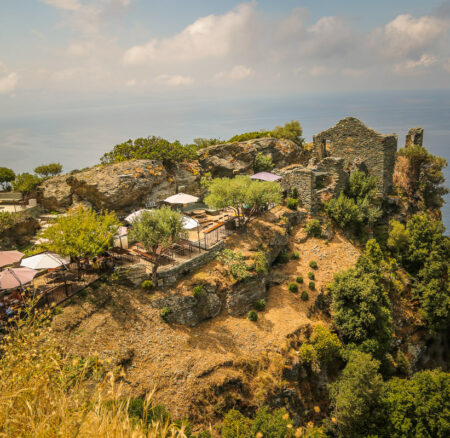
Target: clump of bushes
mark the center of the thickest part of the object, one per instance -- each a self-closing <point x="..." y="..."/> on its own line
<point x="299" y="279"/>
<point x="295" y="255"/>
<point x="260" y="262"/>
<point x="236" y="264"/>
<point x="260" y="305"/>
<point x="313" y="264"/>
<point x="311" y="276"/>
<point x="293" y="287"/>
<point x="304" y="296"/>
<point x="312" y="285"/>
<point x="292" y="203"/>
<point x="147" y="284"/>
<point x="165" y="312"/>
<point x="197" y="291"/>
<point x="283" y="257"/>
<point x="263" y="162"/>
<point x="252" y="316"/>
<point x="314" y="228"/>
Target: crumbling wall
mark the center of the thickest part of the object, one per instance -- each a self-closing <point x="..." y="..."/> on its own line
<point x="414" y="136"/>
<point x="351" y="140"/>
<point x="302" y="179"/>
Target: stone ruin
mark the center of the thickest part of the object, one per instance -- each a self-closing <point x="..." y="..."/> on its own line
<point x="336" y="152"/>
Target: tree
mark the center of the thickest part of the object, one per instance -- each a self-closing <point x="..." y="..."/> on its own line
<point x="157" y="230"/>
<point x="246" y="196"/>
<point x="291" y="131"/>
<point x="6" y="176"/>
<point x="202" y="143"/>
<point x="81" y="233"/>
<point x="325" y="343"/>
<point x="419" y="407"/>
<point x="419" y="178"/>
<point x="357" y="398"/>
<point x="263" y="163"/>
<point x="26" y="183"/>
<point x="47" y="170"/>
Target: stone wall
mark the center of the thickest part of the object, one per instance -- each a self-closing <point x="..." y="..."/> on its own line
<point x="352" y="140"/>
<point x="414" y="136"/>
<point x="302" y="179"/>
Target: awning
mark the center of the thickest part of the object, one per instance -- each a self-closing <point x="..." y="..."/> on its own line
<point x="16" y="277"/>
<point x="45" y="261"/>
<point x="10" y="257"/>
<point x="266" y="176"/>
<point x="189" y="223"/>
<point x="135" y="215"/>
<point x="181" y="198"/>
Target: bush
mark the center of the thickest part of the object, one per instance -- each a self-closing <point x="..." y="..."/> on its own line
<point x="236" y="425"/>
<point x="282" y="258"/>
<point x="235" y="262"/>
<point x="294" y="193"/>
<point x="252" y="316"/>
<point x="314" y="228"/>
<point x="312" y="285"/>
<point x="293" y="287"/>
<point x="299" y="279"/>
<point x="311" y="276"/>
<point x="260" y="305"/>
<point x="263" y="163"/>
<point x="304" y="296"/>
<point x="307" y="353"/>
<point x="292" y="203"/>
<point x="326" y="344"/>
<point x="165" y="312"/>
<point x="198" y="291"/>
<point x="313" y="264"/>
<point x="26" y="183"/>
<point x="147" y="284"/>
<point x="260" y="262"/>
<point x="295" y="255"/>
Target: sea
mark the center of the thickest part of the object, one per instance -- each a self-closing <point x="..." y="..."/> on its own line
<point x="77" y="133"/>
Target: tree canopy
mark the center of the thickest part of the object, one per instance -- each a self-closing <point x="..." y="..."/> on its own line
<point x="246" y="196"/>
<point x="26" y="182"/>
<point x="47" y="170"/>
<point x="6" y="176"/>
<point x="81" y="233"/>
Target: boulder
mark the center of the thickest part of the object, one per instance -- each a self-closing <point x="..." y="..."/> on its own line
<point x="241" y="297"/>
<point x="187" y="178"/>
<point x="226" y="160"/>
<point x="55" y="194"/>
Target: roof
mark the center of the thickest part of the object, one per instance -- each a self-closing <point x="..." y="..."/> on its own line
<point x="181" y="198"/>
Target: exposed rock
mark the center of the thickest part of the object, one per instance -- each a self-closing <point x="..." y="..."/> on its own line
<point x="20" y="233"/>
<point x="243" y="295"/>
<point x="187" y="178"/>
<point x="55" y="193"/>
<point x="226" y="160"/>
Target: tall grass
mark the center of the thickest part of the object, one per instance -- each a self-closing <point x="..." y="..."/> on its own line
<point x="46" y="393"/>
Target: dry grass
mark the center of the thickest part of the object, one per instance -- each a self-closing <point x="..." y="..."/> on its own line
<point x="46" y="393"/>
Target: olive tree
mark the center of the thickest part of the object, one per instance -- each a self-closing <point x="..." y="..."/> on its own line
<point x="47" y="170"/>
<point x="6" y="176"/>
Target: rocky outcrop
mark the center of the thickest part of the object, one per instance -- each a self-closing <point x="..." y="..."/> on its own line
<point x="55" y="194"/>
<point x="187" y="178"/>
<point x="226" y="160"/>
<point x="243" y="295"/>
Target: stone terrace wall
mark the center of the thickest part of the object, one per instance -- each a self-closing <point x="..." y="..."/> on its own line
<point x="301" y="178"/>
<point x="354" y="141"/>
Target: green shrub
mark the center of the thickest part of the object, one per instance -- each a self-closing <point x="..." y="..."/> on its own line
<point x="294" y="193"/>
<point x="165" y="312"/>
<point x="295" y="255"/>
<point x="312" y="285"/>
<point x="326" y="344"/>
<point x="260" y="262"/>
<point x="314" y="228"/>
<point x="293" y="287"/>
<point x="292" y="203"/>
<point x="263" y="163"/>
<point x="236" y="425"/>
<point x="147" y="284"/>
<point x="283" y="257"/>
<point x="57" y="311"/>
<point x="252" y="316"/>
<point x="260" y="305"/>
<point x="235" y="262"/>
<point x="313" y="264"/>
<point x="197" y="291"/>
<point x="307" y="353"/>
<point x="304" y="296"/>
<point x="299" y="279"/>
<point x="311" y="276"/>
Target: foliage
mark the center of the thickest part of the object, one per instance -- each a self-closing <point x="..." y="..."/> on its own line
<point x="47" y="170"/>
<point x="294" y="193"/>
<point x="357" y="205"/>
<point x="419" y="407"/>
<point x="357" y="398"/>
<point x="293" y="287"/>
<point x="165" y="312"/>
<point x="326" y="344"/>
<point x="311" y="276"/>
<point x="202" y="143"/>
<point x="295" y="255"/>
<point x="252" y="316"/>
<point x="313" y="264"/>
<point x="419" y="178"/>
<point x="314" y="228"/>
<point x="81" y="233"/>
<point x="263" y="162"/>
<point x="156" y="230"/>
<point x="282" y="257"/>
<point x="292" y="203"/>
<point x="246" y="196"/>
<point x="236" y="425"/>
<point x="151" y="148"/>
<point x="198" y="291"/>
<point x="260" y="305"/>
<point x="424" y="251"/>
<point x="147" y="284"/>
<point x="235" y="262"/>
<point x="7" y="220"/>
<point x="307" y="353"/>
<point x="304" y="295"/>
<point x="6" y="176"/>
<point x="299" y="279"/>
<point x="249" y="136"/>
<point x="26" y="182"/>
<point x="312" y="285"/>
<point x="260" y="262"/>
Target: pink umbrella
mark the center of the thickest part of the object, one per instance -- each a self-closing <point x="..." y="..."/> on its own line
<point x="16" y="277"/>
<point x="10" y="257"/>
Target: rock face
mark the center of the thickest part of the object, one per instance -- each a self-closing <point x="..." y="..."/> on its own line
<point x="120" y="187"/>
<point x="226" y="160"/>
<point x="243" y="295"/>
<point x="19" y="233"/>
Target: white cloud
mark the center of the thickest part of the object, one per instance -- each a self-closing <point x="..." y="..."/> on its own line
<point x="412" y="66"/>
<point x="69" y="5"/>
<point x="212" y="36"/>
<point x="175" y="80"/>
<point x="238" y="72"/>
<point x="8" y="83"/>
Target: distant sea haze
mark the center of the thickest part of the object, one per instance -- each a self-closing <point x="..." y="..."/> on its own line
<point x="77" y="134"/>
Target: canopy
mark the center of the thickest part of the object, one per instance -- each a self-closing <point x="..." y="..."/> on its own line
<point x="133" y="216"/>
<point x="189" y="223"/>
<point x="10" y="257"/>
<point x="16" y="277"/>
<point x="181" y="198"/>
<point x="45" y="261"/>
<point x="122" y="231"/>
<point x="266" y="176"/>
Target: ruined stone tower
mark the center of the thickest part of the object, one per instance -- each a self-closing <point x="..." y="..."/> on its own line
<point x="414" y="136"/>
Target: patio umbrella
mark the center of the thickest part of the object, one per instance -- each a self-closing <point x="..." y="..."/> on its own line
<point x="16" y="277"/>
<point x="45" y="261"/>
<point x="181" y="198"/>
<point x="135" y="215"/>
<point x="266" y="176"/>
<point x="189" y="223"/>
<point x="10" y="257"/>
